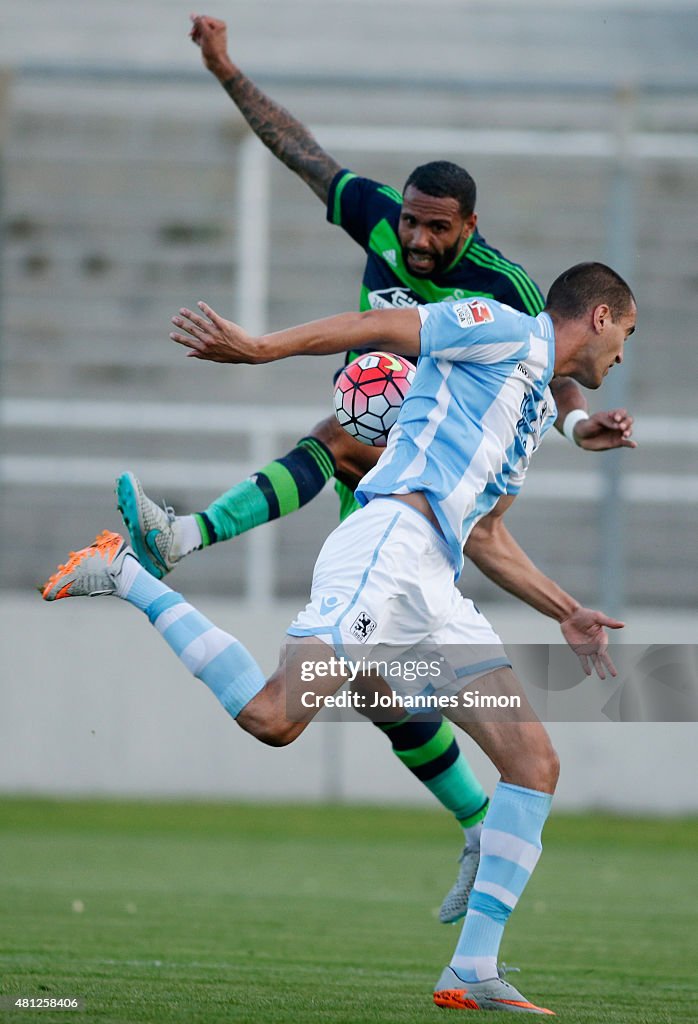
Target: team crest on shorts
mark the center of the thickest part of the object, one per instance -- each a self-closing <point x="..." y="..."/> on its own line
<point x="362" y="627"/>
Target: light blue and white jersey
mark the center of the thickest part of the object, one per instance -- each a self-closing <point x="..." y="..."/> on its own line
<point x="478" y="408"/>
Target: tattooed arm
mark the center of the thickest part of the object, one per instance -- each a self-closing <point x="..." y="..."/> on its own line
<point x="283" y="134"/>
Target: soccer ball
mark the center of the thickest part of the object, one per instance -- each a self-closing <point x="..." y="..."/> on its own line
<point x="368" y="395"/>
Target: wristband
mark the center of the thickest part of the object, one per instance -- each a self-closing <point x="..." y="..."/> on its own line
<point x="571" y="420"/>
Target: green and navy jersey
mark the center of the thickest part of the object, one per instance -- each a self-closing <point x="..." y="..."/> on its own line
<point x="369" y="212"/>
<point x="476" y="412"/>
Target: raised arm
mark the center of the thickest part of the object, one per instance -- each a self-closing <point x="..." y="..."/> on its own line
<point x="208" y="336"/>
<point x="283" y="134"/>
<point x="494" y="551"/>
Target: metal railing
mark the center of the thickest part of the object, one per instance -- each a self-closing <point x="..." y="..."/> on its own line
<point x="263" y="434"/>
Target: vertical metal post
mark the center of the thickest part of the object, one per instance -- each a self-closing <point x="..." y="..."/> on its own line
<point x="259" y="564"/>
<point x="333" y="759"/>
<point x="5" y="85"/>
<point x="620" y="247"/>
<point x="252" y="295"/>
<point x="253" y="235"/>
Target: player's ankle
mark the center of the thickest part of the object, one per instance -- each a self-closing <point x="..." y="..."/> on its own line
<point x="187" y="534"/>
<point x="472" y="836"/>
<point x="131" y="568"/>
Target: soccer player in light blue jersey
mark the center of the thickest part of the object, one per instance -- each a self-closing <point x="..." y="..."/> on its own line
<point x="477" y="410"/>
<point x="421" y="244"/>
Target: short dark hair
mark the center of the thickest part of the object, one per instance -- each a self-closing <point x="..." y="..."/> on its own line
<point x="586" y="285"/>
<point x="443" y="179"/>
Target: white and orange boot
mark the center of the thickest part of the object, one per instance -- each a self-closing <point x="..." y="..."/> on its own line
<point x="90" y="572"/>
<point x="453" y="993"/>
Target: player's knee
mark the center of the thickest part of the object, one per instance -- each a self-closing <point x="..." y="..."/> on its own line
<point x="552" y="768"/>
<point x="352" y="458"/>
<point x="555" y="763"/>
<point x="330" y="433"/>
<point x="534" y="765"/>
<point x="340" y="443"/>
<point x="544" y="769"/>
<point x="278" y="734"/>
<point x="272" y="730"/>
<point x="266" y="719"/>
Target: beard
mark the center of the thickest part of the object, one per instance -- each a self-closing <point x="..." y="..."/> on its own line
<point x="437" y="263"/>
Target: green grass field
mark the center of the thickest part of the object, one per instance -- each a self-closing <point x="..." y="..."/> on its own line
<point x="205" y="913"/>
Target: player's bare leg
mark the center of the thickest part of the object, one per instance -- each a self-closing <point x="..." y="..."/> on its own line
<point x="288" y="702"/>
<point x="514" y="739"/>
<point x="273" y="710"/>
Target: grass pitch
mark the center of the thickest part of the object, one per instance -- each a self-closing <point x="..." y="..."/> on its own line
<point x="201" y="913"/>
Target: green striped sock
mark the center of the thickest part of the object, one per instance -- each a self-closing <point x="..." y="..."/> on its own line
<point x="430" y="750"/>
<point x="276" y="490"/>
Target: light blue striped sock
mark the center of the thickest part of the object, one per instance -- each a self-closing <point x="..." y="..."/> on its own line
<point x="510" y="846"/>
<point x="213" y="656"/>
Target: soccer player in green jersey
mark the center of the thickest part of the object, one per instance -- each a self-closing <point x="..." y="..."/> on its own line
<point x="421" y="246"/>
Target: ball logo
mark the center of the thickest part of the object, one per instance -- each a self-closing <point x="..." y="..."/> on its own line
<point x="387" y="362"/>
<point x="472" y="313"/>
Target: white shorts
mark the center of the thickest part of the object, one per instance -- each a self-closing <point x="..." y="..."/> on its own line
<point x="384" y="581"/>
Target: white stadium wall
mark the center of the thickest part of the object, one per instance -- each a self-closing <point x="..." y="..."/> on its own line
<point x="94" y="704"/>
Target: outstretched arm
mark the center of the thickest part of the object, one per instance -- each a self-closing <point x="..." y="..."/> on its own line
<point x="595" y="433"/>
<point x="286" y="137"/>
<point x="495" y="552"/>
<point x="208" y="336"/>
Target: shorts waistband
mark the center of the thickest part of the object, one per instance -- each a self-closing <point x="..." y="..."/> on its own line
<point x="410" y="509"/>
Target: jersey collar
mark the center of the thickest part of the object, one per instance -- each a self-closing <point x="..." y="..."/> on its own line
<point x="546" y="325"/>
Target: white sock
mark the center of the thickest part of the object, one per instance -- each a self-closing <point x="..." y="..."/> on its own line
<point x="130" y="570"/>
<point x="188" y="534"/>
<point x="472" y="836"/>
<point x="137" y="586"/>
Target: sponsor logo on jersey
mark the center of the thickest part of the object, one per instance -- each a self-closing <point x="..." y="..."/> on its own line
<point x="390" y="256"/>
<point x="362" y="627"/>
<point x="391" y="298"/>
<point x="522" y="370"/>
<point x="472" y="313"/>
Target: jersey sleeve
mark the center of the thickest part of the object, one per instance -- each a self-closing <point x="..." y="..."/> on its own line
<point x="474" y="330"/>
<point x="358" y="204"/>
